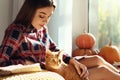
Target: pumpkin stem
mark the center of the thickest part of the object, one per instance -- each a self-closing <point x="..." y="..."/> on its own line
<point x="84" y="30"/>
<point x="110" y="43"/>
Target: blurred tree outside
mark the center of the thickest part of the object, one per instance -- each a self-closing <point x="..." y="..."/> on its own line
<point x="109" y="22"/>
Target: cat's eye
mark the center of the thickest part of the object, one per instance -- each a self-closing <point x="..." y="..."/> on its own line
<point x="59" y="61"/>
<point x="46" y="57"/>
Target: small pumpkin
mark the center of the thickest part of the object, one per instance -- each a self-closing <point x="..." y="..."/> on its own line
<point x="85" y="40"/>
<point x="83" y="52"/>
<point x="110" y="53"/>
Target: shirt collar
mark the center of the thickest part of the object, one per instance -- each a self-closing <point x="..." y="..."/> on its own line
<point x="32" y="29"/>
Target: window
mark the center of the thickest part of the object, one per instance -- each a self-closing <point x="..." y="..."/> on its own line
<point x="60" y="25"/>
<point x="104" y="21"/>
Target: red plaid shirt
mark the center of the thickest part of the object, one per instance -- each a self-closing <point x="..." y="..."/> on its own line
<point x="22" y="43"/>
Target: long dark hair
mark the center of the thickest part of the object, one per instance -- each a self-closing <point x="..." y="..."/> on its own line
<point x="27" y="11"/>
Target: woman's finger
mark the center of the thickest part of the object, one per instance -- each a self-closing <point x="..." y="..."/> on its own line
<point x="85" y="75"/>
<point x="78" y="69"/>
<point x="83" y="70"/>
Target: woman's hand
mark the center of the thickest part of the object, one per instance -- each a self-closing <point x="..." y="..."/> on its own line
<point x="27" y="62"/>
<point x="81" y="69"/>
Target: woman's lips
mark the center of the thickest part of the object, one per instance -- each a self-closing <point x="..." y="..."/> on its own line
<point x="41" y="25"/>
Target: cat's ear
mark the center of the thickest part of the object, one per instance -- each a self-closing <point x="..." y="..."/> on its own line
<point x="59" y="53"/>
<point x="48" y="52"/>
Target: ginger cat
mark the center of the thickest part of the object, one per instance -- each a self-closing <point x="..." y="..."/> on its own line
<point x="54" y="63"/>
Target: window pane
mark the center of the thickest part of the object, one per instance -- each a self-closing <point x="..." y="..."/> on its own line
<point x="108" y="17"/>
<point x="60" y="25"/>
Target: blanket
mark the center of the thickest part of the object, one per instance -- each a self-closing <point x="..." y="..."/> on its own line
<point x="27" y="72"/>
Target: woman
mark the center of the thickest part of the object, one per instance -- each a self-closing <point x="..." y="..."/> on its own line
<point x="26" y="41"/>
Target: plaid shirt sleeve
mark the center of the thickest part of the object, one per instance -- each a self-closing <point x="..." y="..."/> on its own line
<point x="9" y="45"/>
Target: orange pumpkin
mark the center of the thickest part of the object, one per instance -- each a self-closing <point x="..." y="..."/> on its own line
<point x="83" y="52"/>
<point x="110" y="53"/>
<point x="85" y="40"/>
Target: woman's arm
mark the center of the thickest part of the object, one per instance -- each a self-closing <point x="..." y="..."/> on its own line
<point x="9" y="45"/>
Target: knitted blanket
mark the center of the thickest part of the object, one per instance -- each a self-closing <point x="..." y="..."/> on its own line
<point x="27" y="72"/>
